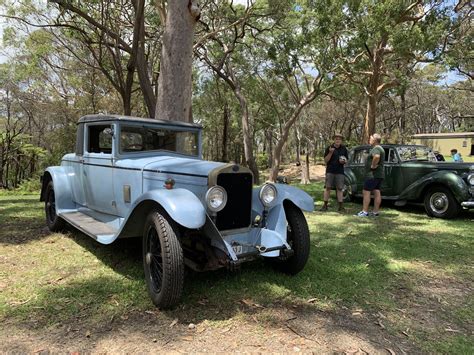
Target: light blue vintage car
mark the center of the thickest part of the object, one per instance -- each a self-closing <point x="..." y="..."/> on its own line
<point x="136" y="177"/>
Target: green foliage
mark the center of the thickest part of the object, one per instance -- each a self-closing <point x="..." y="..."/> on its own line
<point x="262" y="161"/>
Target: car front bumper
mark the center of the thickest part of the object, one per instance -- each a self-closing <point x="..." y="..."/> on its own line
<point x="467" y="204"/>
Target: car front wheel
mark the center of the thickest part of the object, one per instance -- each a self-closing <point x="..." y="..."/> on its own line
<point x="54" y="222"/>
<point x="440" y="202"/>
<point x="162" y="260"/>
<point x="347" y="192"/>
<point x="298" y="238"/>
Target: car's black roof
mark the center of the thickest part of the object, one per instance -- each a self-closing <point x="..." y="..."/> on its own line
<point x="100" y="118"/>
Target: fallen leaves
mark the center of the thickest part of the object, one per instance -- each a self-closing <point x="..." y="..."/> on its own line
<point x="174" y="322"/>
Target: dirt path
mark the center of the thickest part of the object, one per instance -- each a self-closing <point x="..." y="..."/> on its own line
<point x="289" y="330"/>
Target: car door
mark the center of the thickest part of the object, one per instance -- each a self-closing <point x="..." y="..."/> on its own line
<point x="98" y="168"/>
<point x="78" y="168"/>
<point x="392" y="172"/>
<point x="358" y="166"/>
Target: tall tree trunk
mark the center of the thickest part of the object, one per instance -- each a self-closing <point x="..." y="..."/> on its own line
<point x="127" y="103"/>
<point x="283" y="139"/>
<point x="402" y="123"/>
<point x="285" y="131"/>
<point x="225" y="133"/>
<point x="247" y="135"/>
<point x="269" y="146"/>
<point x="370" y="115"/>
<point x="138" y="47"/>
<point x="298" y="148"/>
<point x="374" y="88"/>
<point x="175" y="80"/>
<point x="305" y="178"/>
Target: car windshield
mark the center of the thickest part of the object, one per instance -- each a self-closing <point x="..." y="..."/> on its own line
<point x="151" y="138"/>
<point x="416" y="153"/>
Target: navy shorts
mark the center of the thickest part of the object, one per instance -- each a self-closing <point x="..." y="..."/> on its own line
<point x="371" y="184"/>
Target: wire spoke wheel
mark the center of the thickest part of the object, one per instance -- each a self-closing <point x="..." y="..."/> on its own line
<point x="154" y="259"/>
<point x="297" y="237"/>
<point x="163" y="260"/>
<point x="54" y="222"/>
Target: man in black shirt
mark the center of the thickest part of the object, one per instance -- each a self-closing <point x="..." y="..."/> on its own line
<point x="335" y="157"/>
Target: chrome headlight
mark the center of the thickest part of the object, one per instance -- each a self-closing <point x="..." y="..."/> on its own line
<point x="216" y="198"/>
<point x="470" y="179"/>
<point x="268" y="194"/>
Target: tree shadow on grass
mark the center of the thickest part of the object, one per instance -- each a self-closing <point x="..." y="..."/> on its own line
<point x="349" y="267"/>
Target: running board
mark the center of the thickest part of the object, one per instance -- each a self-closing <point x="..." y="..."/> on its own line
<point x="100" y="231"/>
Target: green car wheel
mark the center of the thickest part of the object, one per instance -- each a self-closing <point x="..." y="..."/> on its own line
<point x="440" y="202"/>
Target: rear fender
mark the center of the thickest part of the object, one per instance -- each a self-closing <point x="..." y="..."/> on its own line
<point x="62" y="187"/>
<point x="448" y="179"/>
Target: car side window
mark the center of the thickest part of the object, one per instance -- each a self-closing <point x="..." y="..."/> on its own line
<point x="360" y="156"/>
<point x="99" y="139"/>
<point x="392" y="156"/>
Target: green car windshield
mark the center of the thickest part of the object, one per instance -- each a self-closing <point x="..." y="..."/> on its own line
<point x="151" y="138"/>
<point x="407" y="153"/>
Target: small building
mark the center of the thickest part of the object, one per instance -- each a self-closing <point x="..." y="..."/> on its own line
<point x="444" y="142"/>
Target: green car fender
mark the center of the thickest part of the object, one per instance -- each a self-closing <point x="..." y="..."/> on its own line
<point x="350" y="179"/>
<point x="447" y="179"/>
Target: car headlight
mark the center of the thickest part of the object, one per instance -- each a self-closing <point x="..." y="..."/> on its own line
<point x="470" y="179"/>
<point x="216" y="198"/>
<point x="268" y="194"/>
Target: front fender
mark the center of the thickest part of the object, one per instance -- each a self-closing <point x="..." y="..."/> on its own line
<point x="350" y="178"/>
<point x="181" y="205"/>
<point x="449" y="179"/>
<point x="62" y="187"/>
<point x="284" y="192"/>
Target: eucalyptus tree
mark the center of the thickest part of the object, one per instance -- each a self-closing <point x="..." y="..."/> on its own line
<point x="225" y="52"/>
<point x="300" y="54"/>
<point x="384" y="38"/>
<point x="121" y="38"/>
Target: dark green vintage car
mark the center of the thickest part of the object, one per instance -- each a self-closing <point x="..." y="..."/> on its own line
<point x="412" y="174"/>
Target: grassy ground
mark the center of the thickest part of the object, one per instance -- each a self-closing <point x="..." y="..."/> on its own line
<point x="402" y="280"/>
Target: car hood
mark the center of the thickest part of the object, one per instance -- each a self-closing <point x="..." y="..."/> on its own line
<point x="172" y="165"/>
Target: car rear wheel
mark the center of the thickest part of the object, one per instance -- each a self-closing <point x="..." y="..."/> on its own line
<point x="54" y="222"/>
<point x="162" y="260"/>
<point x="298" y="238"/>
<point x="440" y="202"/>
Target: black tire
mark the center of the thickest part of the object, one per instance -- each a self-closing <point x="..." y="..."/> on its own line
<point x="347" y="192"/>
<point x="298" y="238"/>
<point x="440" y="203"/>
<point x="162" y="260"/>
<point x="54" y="222"/>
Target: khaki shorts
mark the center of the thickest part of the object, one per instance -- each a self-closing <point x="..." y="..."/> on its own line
<point x="334" y="180"/>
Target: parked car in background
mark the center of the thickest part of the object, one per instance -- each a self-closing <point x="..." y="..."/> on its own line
<point x="412" y="174"/>
<point x="135" y="177"/>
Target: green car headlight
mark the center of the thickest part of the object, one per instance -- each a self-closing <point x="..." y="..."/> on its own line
<point x="470" y="179"/>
